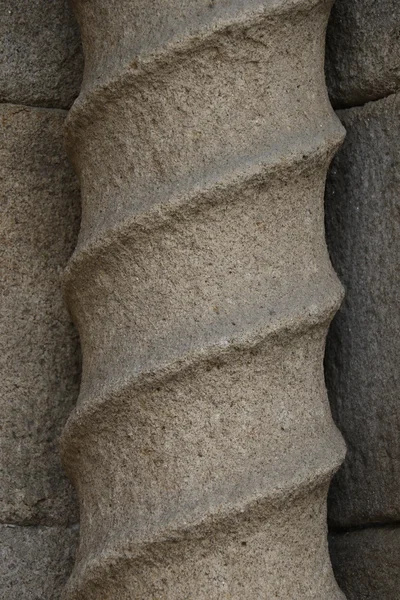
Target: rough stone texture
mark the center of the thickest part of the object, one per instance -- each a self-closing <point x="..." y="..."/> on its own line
<point x="363" y="348"/>
<point x="202" y="444"/>
<point x="35" y="561"/>
<point x="363" y="51"/>
<point x="41" y="58"/>
<point x="38" y="346"/>
<point x="367" y="563"/>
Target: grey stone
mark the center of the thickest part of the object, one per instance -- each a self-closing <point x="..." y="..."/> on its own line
<point x="202" y="444"/>
<point x="367" y="563"/>
<point x="41" y="59"/>
<point x="35" y="561"/>
<point x="39" y="353"/>
<point x="363" y="51"/>
<point x="363" y="348"/>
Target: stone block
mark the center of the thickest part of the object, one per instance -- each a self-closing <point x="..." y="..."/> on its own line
<point x="363" y="348"/>
<point x="367" y="563"/>
<point x="41" y="56"/>
<point x="35" y="561"/>
<point x="363" y="51"/>
<point x="39" y="353"/>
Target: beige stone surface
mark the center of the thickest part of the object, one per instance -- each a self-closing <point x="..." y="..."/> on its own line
<point x="38" y="345"/>
<point x="363" y="349"/>
<point x="35" y="561"/>
<point x="41" y="59"/>
<point x="363" y="51"/>
<point x="367" y="563"/>
<point x="202" y="444"/>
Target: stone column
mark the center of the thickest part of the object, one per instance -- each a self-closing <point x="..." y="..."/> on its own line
<point x="39" y="353"/>
<point x="202" y="444"/>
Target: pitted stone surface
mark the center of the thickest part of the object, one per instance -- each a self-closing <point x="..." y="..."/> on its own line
<point x="39" y="349"/>
<point x="35" y="561"/>
<point x="367" y="563"/>
<point x="41" y="59"/>
<point x="363" y="51"/>
<point x="202" y="444"/>
<point x="363" y="348"/>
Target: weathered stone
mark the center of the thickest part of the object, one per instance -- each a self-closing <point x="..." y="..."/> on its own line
<point x="363" y="51"/>
<point x="363" y="348"/>
<point x="40" y="56"/>
<point x="35" y="561"/>
<point x="38" y="346"/>
<point x="202" y="444"/>
<point x="367" y="563"/>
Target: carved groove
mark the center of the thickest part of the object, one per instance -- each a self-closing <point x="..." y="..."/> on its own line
<point x="202" y="444"/>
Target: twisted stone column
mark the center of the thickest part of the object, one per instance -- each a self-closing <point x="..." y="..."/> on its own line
<point x="202" y="445"/>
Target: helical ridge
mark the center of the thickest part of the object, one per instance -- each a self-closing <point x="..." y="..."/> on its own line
<point x="202" y="444"/>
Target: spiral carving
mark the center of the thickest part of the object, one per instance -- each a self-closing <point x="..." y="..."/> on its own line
<point x="202" y="445"/>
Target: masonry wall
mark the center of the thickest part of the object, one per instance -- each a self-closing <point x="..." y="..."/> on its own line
<point x="363" y="347"/>
<point x="40" y="74"/>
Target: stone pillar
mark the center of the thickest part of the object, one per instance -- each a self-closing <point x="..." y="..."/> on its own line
<point x="202" y="444"/>
<point x="363" y="348"/>
<point x="39" y="355"/>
